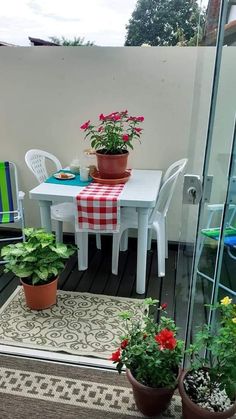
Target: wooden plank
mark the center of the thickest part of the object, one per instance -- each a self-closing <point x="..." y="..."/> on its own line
<point x="8" y="290"/>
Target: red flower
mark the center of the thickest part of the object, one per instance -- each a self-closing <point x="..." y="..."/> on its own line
<point x="163" y="306"/>
<point x="124" y="343"/>
<point x="166" y="339"/>
<point x="115" y="356"/>
<point x="138" y="129"/>
<point x="125" y="137"/>
<point x="85" y="125"/>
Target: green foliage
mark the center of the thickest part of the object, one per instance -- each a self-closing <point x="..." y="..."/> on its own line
<point x="76" y="42"/>
<point x="39" y="258"/>
<point x="220" y="345"/>
<point x="149" y="349"/>
<point x="114" y="133"/>
<point x="164" y="22"/>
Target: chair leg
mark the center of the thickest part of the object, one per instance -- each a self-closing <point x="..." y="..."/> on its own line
<point x="124" y="241"/>
<point x="115" y="252"/>
<point x="98" y="241"/>
<point x="166" y="242"/>
<point x="59" y="231"/>
<point x="161" y="249"/>
<point x="149" y="244"/>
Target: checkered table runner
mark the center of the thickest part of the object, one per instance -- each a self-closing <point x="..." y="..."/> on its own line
<point x="98" y="207"/>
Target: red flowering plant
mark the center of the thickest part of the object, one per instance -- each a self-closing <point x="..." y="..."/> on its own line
<point x="114" y="133"/>
<point x="150" y="349"/>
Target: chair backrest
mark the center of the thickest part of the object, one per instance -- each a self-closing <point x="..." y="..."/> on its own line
<point x="9" y="192"/>
<point x="35" y="160"/>
<point x="167" y="188"/>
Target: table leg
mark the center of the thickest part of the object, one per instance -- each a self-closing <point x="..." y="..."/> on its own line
<point x="142" y="249"/>
<point x="45" y="215"/>
<point x="82" y="243"/>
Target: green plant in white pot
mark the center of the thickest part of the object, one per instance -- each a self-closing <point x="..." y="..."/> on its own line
<point x="37" y="262"/>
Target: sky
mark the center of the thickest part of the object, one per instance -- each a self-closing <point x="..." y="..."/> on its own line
<point x="100" y="21"/>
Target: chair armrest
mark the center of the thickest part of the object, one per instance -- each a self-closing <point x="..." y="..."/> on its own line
<point x="21" y="195"/>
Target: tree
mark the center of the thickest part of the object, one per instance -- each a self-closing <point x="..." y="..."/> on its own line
<point x="164" y="22"/>
<point x="76" y="42"/>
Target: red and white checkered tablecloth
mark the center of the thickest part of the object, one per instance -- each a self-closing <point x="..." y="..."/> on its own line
<point x="98" y="207"/>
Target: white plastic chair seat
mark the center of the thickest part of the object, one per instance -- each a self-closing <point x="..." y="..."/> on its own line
<point x="63" y="212"/>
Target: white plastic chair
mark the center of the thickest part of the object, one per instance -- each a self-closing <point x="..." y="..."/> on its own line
<point x="11" y="199"/>
<point x="157" y="218"/>
<point x="36" y="162"/>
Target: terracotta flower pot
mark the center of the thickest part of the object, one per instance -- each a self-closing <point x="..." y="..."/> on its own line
<point x="150" y="401"/>
<point x="193" y="411"/>
<point x="40" y="297"/>
<point x="112" y="166"/>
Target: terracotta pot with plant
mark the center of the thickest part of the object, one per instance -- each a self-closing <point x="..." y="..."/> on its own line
<point x="111" y="138"/>
<point x="208" y="388"/>
<point x="37" y="262"/>
<point x="152" y="355"/>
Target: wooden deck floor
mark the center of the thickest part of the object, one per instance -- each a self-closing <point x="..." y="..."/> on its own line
<point x="98" y="279"/>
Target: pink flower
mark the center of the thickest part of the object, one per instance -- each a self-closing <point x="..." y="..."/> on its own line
<point x="138" y="129"/>
<point x="85" y="125"/>
<point x="100" y="129"/>
<point x="163" y="306"/>
<point x="102" y="117"/>
<point x="116" y="117"/>
<point x="125" y="138"/>
<point x="140" y="118"/>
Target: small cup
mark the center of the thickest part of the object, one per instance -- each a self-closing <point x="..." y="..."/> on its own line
<point x="84" y="174"/>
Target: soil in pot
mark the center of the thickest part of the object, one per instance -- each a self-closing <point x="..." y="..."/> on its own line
<point x="150" y="401"/>
<point x="203" y="399"/>
<point x="40" y="297"/>
<point x="112" y="166"/>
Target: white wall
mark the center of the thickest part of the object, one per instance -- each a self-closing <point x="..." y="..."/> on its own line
<point x="47" y="93"/>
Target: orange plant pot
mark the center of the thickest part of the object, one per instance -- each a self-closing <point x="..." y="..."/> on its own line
<point x="40" y="297"/>
<point x="112" y="166"/>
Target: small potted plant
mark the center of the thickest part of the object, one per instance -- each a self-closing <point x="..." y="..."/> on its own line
<point x="37" y="262"/>
<point x="111" y="138"/>
<point x="208" y="388"/>
<point x="152" y="355"/>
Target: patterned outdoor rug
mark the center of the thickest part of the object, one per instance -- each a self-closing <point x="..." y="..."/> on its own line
<point x="66" y="392"/>
<point x="80" y="323"/>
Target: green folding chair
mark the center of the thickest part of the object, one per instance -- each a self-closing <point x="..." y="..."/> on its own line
<point x="11" y="199"/>
<point x="214" y="234"/>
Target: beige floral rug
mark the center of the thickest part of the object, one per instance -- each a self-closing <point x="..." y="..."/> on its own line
<point x="80" y="323"/>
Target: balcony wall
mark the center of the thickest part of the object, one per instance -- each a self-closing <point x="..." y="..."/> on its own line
<point x="47" y="93"/>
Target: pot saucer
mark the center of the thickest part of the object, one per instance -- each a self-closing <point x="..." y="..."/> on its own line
<point x="97" y="178"/>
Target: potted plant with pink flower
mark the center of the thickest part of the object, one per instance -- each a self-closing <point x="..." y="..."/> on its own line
<point x="152" y="354"/>
<point x="111" y="138"/>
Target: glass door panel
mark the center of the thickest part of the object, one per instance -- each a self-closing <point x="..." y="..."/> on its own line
<point x="205" y="266"/>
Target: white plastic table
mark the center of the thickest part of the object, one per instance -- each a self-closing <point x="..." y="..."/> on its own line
<point x="140" y="191"/>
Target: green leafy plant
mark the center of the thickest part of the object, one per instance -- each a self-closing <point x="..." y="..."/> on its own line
<point x="150" y="349"/>
<point x="114" y="133"/>
<point x="39" y="259"/>
<point x="219" y="345"/>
